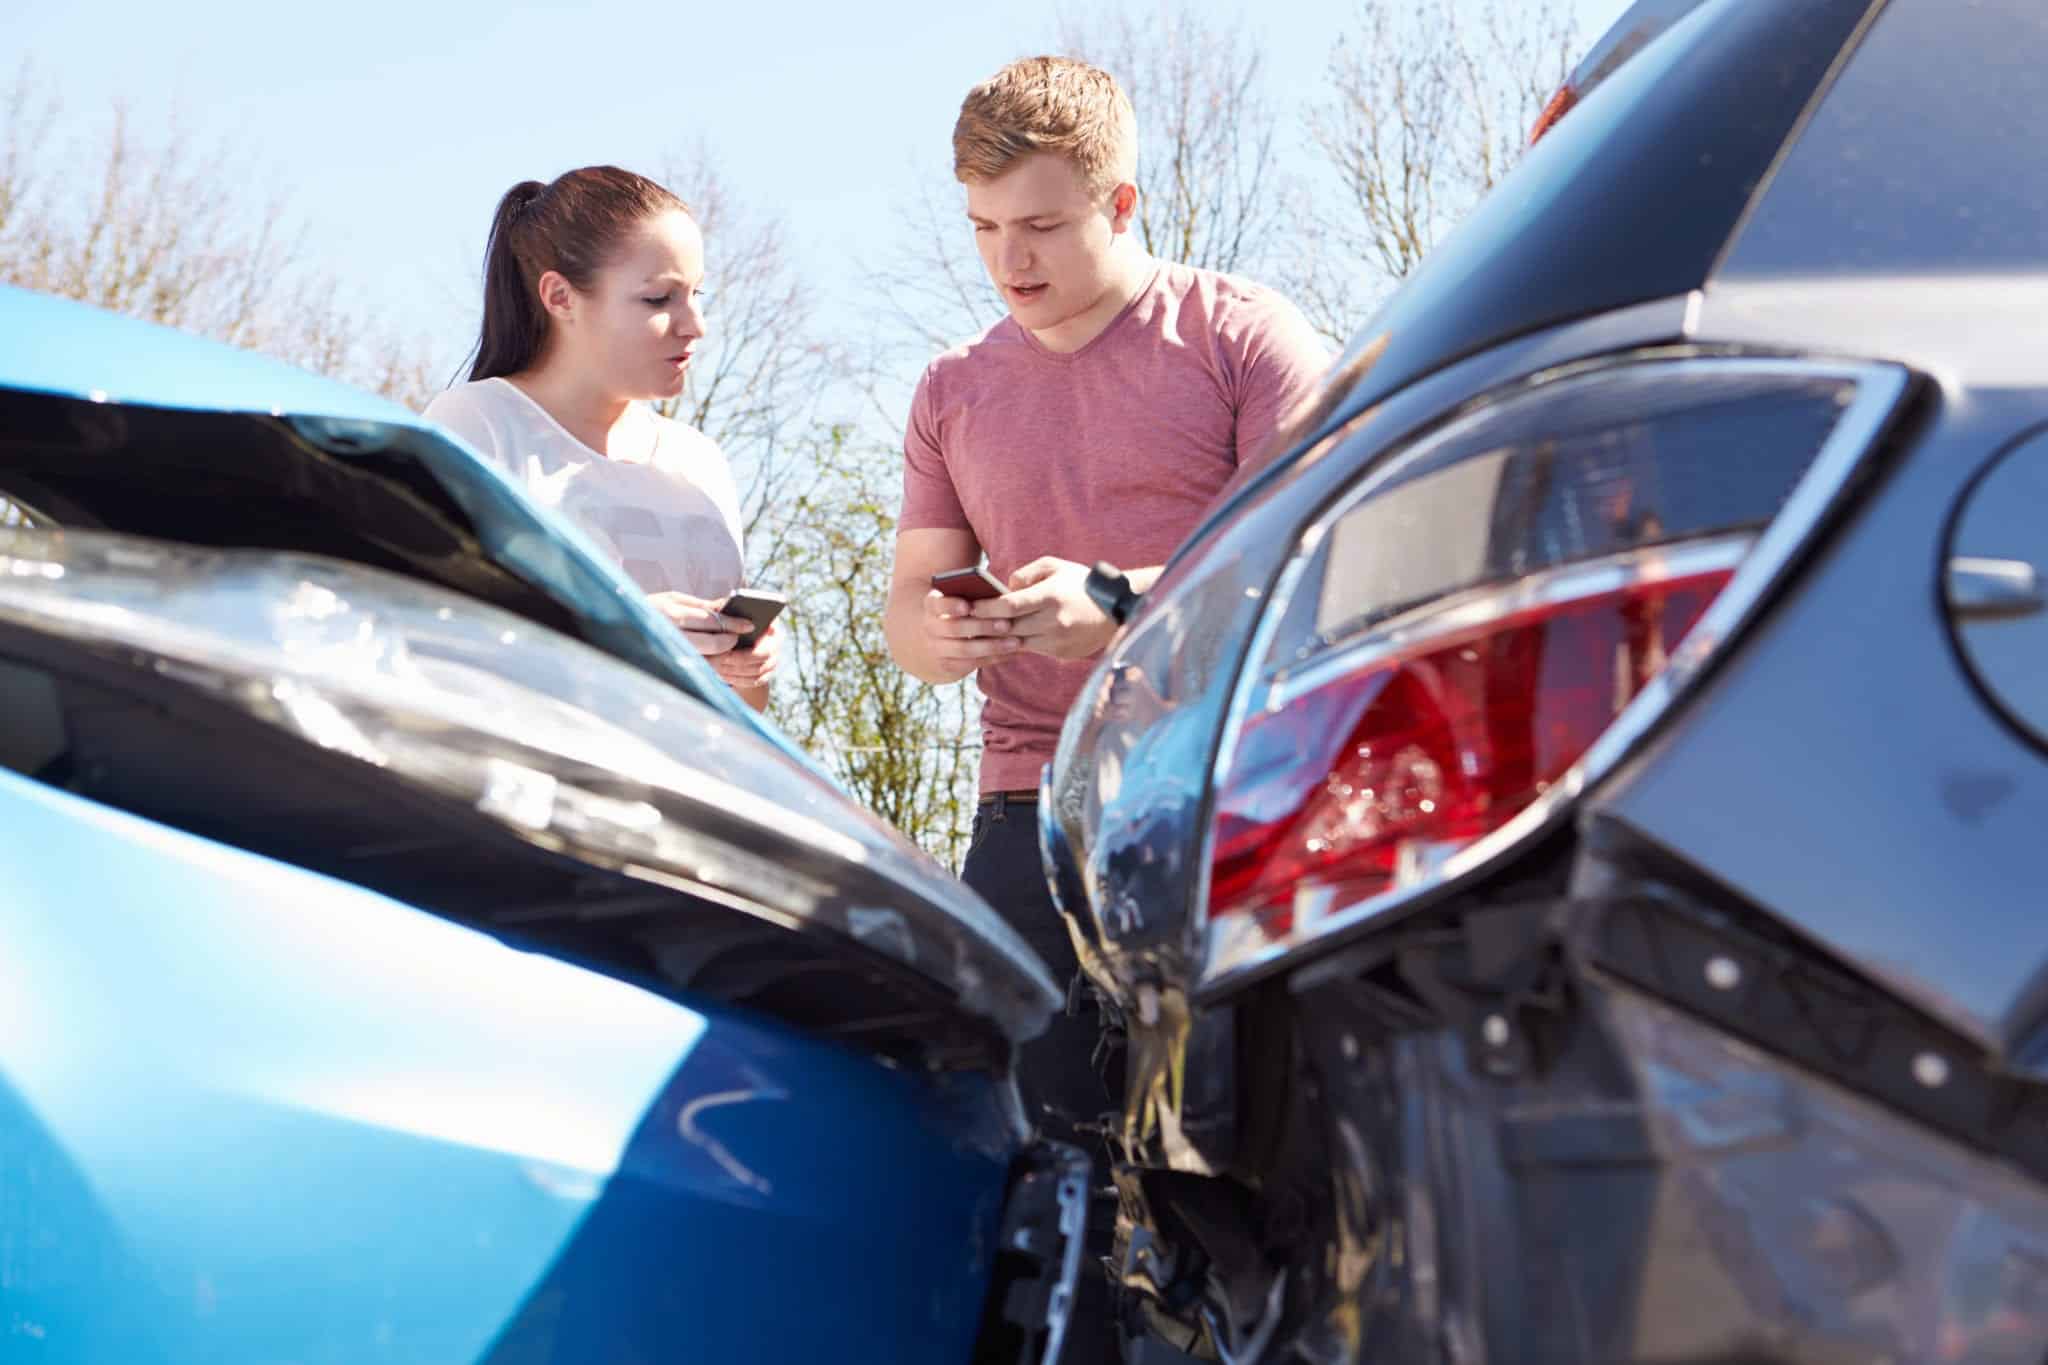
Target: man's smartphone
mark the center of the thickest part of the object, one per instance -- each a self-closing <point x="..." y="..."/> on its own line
<point x="973" y="585"/>
<point x="757" y="606"/>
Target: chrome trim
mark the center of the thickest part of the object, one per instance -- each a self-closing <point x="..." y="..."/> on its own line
<point x="1981" y="589"/>
<point x="1073" y="1197"/>
<point x="1055" y="854"/>
<point x="1475" y="607"/>
<point x="1236" y="953"/>
<point x="1047" y="1178"/>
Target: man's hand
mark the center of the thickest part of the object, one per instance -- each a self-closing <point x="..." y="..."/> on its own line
<point x="960" y="640"/>
<point x="1048" y="610"/>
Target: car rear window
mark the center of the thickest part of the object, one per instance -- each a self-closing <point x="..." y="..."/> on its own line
<point x="1925" y="156"/>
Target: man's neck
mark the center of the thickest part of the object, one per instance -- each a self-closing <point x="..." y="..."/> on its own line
<point x="1133" y="273"/>
<point x="588" y="414"/>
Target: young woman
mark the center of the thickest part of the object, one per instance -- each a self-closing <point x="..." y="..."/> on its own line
<point x="592" y="311"/>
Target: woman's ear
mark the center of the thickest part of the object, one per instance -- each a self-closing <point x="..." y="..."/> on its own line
<point x="557" y="295"/>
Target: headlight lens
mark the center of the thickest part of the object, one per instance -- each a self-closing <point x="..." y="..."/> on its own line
<point x="562" y="745"/>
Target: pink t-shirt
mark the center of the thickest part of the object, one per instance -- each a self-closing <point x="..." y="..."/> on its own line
<point x="1114" y="451"/>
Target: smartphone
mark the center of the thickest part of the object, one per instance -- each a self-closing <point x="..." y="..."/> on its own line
<point x="974" y="584"/>
<point x="757" y="606"/>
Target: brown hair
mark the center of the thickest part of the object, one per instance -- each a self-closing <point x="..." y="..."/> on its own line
<point x="1047" y="104"/>
<point x="572" y="227"/>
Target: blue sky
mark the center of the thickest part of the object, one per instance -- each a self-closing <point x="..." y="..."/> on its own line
<point x="393" y="127"/>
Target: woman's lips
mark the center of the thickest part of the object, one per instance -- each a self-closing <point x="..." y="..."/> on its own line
<point x="1025" y="291"/>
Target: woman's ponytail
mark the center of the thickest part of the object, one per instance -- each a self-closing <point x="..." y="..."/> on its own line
<point x="513" y="322"/>
<point x="571" y="227"/>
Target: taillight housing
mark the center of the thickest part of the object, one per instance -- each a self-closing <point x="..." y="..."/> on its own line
<point x="1494" y="614"/>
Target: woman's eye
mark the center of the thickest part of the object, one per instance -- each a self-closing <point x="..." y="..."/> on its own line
<point x="657" y="302"/>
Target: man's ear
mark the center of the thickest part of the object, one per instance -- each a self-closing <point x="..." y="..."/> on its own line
<point x="557" y="295"/>
<point x="1123" y="204"/>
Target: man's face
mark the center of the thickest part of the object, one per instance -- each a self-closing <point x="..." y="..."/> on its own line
<point x="1045" y="240"/>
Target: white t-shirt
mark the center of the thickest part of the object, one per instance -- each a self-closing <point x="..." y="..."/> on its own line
<point x="672" y="521"/>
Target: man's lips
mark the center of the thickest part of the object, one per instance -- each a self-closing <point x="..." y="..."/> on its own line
<point x="1025" y="291"/>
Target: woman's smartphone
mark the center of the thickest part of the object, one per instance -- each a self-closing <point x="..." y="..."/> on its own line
<point x="972" y="585"/>
<point x="757" y="606"/>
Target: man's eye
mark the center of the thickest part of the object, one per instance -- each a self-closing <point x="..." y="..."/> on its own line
<point x="1043" y="227"/>
<point x="980" y="228"/>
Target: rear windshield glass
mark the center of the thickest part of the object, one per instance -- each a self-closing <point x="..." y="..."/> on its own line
<point x="1925" y="156"/>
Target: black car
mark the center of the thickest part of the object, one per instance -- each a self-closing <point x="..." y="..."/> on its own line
<point x="1560" y="849"/>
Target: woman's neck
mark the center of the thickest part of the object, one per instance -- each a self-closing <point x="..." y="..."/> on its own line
<point x="593" y="416"/>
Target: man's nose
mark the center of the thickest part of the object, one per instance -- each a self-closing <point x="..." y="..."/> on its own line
<point x="1016" y="254"/>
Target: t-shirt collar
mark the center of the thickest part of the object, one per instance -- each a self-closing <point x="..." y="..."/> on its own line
<point x="1066" y="357"/>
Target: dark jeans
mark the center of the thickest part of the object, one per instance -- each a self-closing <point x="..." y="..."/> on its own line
<point x="1055" y="1071"/>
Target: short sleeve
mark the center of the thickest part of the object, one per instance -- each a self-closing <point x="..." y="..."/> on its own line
<point x="930" y="501"/>
<point x="1282" y="364"/>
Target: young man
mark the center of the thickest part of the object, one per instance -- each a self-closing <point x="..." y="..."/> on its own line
<point x="1097" y="422"/>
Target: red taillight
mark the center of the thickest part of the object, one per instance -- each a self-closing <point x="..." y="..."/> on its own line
<point x="1560" y="104"/>
<point x="1432" y="747"/>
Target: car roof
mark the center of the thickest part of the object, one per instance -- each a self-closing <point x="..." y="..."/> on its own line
<point x="59" y="346"/>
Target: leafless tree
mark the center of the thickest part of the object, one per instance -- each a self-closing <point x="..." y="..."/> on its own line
<point x="154" y="230"/>
<point x="1211" y="192"/>
<point x="768" y="370"/>
<point x="934" y="291"/>
<point x="1425" y="109"/>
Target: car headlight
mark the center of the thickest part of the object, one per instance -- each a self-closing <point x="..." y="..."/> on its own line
<point x="556" y="742"/>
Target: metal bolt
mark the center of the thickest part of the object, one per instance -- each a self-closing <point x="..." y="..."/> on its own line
<point x="1724" y="973"/>
<point x="1148" y="1005"/>
<point x="1931" y="1070"/>
<point x="1350" y="1048"/>
<point x="1495" y="1031"/>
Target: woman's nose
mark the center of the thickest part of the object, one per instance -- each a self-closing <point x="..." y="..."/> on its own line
<point x="689" y="319"/>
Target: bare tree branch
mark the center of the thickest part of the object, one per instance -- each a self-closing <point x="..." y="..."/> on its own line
<point x="1210" y="188"/>
<point x="1423" y="113"/>
<point x="152" y="234"/>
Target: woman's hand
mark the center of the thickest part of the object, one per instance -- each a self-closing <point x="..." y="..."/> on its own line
<point x="752" y="667"/>
<point x="746" y="671"/>
<point x="698" y="618"/>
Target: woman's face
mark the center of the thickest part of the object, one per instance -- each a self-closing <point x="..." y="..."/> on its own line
<point x="635" y="330"/>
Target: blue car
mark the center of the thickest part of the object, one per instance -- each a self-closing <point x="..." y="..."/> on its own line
<point x="409" y="951"/>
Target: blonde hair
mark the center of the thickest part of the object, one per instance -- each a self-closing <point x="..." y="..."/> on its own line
<point x="1047" y="104"/>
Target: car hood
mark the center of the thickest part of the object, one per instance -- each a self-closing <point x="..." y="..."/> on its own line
<point x="114" y="424"/>
<point x="390" y="734"/>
